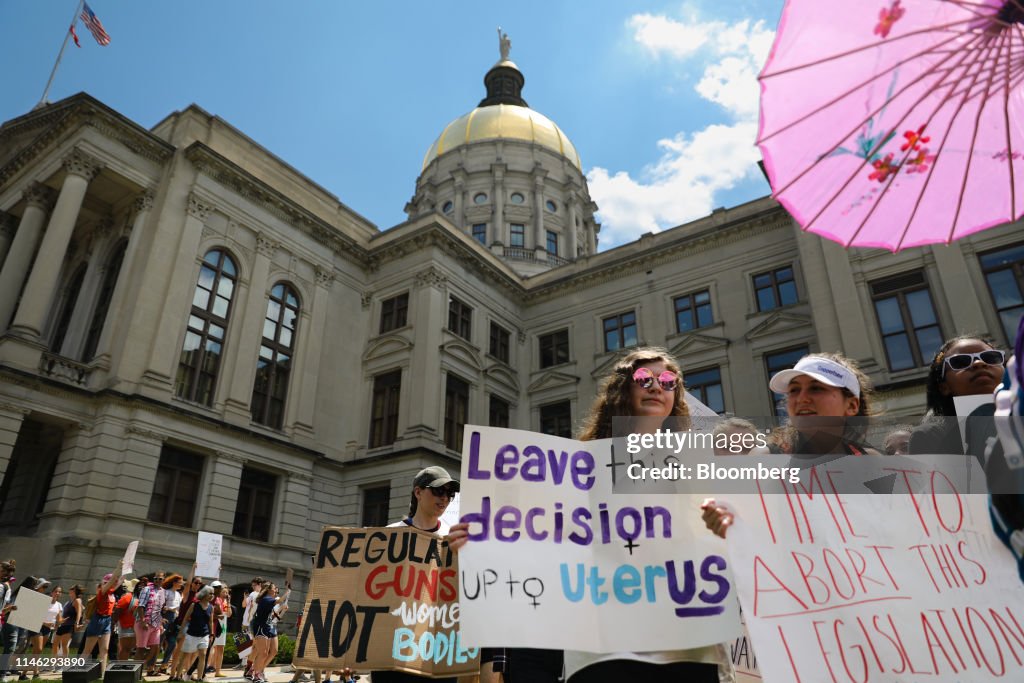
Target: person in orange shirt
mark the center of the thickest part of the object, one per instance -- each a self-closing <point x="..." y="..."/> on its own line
<point x="124" y="610"/>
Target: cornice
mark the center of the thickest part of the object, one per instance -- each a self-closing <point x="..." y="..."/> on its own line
<point x="236" y="179"/>
<point x="57" y="120"/>
<point x="640" y="261"/>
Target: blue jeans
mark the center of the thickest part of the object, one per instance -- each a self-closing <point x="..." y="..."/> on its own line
<point x="171" y="633"/>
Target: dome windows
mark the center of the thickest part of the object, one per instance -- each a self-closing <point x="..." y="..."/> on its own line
<point x="551" y="206"/>
<point x="517" y="198"/>
<point x="480" y="198"/>
<point x="448" y="208"/>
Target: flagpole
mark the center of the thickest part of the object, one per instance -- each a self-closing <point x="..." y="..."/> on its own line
<point x="67" y="35"/>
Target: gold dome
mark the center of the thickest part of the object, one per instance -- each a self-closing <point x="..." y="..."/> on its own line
<point x="503" y="121"/>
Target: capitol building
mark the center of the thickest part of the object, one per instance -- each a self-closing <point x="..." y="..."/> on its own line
<point x="195" y="336"/>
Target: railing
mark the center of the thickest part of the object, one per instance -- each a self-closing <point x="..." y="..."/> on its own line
<point x="64" y="369"/>
<point x="523" y="254"/>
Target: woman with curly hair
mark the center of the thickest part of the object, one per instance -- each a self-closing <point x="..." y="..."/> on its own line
<point x="646" y="387"/>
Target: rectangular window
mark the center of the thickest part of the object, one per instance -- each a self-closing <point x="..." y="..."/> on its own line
<point x="255" y="504"/>
<point x="554" y="348"/>
<point x="499" y="342"/>
<point x="456" y="411"/>
<point x="776" y="362"/>
<point x="907" y="321"/>
<point x="620" y="331"/>
<point x="1004" y="273"/>
<point x="376" y="502"/>
<point x="518" y="235"/>
<point x="176" y="489"/>
<point x="498" y="412"/>
<point x="460" y="318"/>
<point x="552" y="245"/>
<point x="384" y="408"/>
<point x="556" y="419"/>
<point x="706" y="386"/>
<point x="394" y="312"/>
<point x="775" y="288"/>
<point x="480" y="233"/>
<point x="693" y="311"/>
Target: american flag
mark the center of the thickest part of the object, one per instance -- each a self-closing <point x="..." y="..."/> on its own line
<point x="92" y="23"/>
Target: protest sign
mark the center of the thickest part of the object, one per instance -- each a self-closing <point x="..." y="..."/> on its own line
<point x="128" y="563"/>
<point x="384" y="599"/>
<point x="32" y="609"/>
<point x="872" y="588"/>
<point x="556" y="560"/>
<point x="208" y="552"/>
<point x="744" y="661"/>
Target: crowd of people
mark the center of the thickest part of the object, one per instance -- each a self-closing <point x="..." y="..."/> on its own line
<point x="185" y="619"/>
<point x="828" y="402"/>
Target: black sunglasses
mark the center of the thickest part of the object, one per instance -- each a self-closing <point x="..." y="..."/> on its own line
<point x="441" y="491"/>
<point x="962" y="361"/>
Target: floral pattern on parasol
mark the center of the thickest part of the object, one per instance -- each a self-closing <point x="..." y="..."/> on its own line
<point x="896" y="124"/>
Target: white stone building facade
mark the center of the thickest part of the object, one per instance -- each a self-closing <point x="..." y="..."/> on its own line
<point x="194" y="336"/>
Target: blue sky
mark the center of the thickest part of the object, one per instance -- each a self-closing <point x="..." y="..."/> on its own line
<point x="658" y="97"/>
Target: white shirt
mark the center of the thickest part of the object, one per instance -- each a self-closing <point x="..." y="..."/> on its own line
<point x="53" y="612"/>
<point x="250" y="607"/>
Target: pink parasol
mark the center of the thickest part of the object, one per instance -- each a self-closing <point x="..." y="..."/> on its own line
<point x="896" y="123"/>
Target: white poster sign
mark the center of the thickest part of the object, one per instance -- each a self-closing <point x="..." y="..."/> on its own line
<point x="32" y="609"/>
<point x="208" y="552"/>
<point x="556" y="560"/>
<point x="877" y="587"/>
<point x="128" y="563"/>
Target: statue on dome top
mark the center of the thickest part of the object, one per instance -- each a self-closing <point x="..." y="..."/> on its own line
<point x="504" y="44"/>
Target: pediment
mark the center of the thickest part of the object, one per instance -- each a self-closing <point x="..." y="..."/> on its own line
<point x="552" y="379"/>
<point x="386" y="345"/>
<point x="694" y="343"/>
<point x="501" y="374"/>
<point x="461" y="351"/>
<point x="780" y="321"/>
<point x="604" y="368"/>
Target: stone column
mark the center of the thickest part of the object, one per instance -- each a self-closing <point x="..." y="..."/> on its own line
<point x="11" y="417"/>
<point x="540" y="241"/>
<point x="570" y="231"/>
<point x="223" y="477"/>
<point x="241" y="372"/>
<point x="142" y="206"/>
<point x="959" y="291"/>
<point x="98" y="258"/>
<point x="181" y="282"/>
<point x="419" y="401"/>
<point x="42" y="281"/>
<point x="8" y="224"/>
<point x="135" y="471"/>
<point x="38" y="199"/>
<point x="293" y="505"/>
<point x="820" y="296"/>
<point x="306" y="369"/>
<point x="460" y="199"/>
<point x="496" y="228"/>
<point x="852" y="325"/>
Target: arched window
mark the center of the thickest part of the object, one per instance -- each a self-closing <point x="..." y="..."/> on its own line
<point x="204" y="339"/>
<point x="275" y="362"/>
<point x="99" y="316"/>
<point x="67" y="309"/>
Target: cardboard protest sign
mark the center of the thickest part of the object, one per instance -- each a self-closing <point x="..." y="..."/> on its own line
<point x="384" y="599"/>
<point x="556" y="560"/>
<point x="870" y="588"/>
<point x="128" y="563"/>
<point x="32" y="609"/>
<point x="208" y="553"/>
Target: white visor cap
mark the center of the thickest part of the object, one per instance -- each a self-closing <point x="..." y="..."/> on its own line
<point x="824" y="370"/>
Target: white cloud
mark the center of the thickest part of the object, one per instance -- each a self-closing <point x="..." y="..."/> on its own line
<point x="693" y="166"/>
